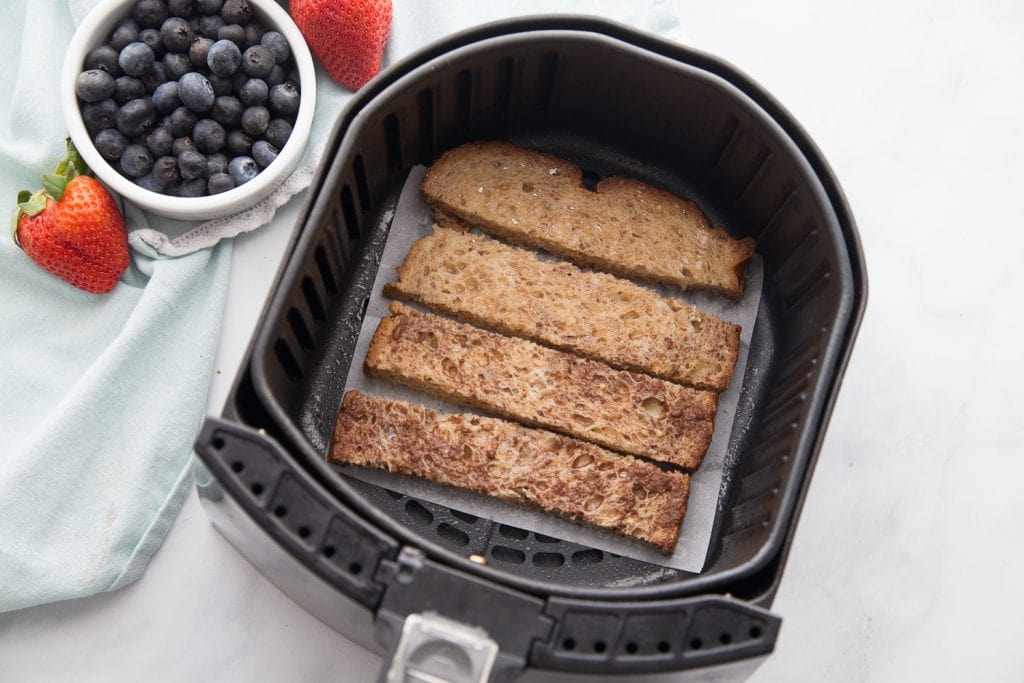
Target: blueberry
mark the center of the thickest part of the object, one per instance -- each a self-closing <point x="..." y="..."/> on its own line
<point x="284" y="99"/>
<point x="236" y="12"/>
<point x="254" y="92"/>
<point x="255" y="120"/>
<point x="278" y="46"/>
<point x="199" y="51"/>
<point x="227" y="111"/>
<point x="126" y="32"/>
<point x="222" y="85"/>
<point x="277" y="133"/>
<point x="210" y="6"/>
<point x="176" y="65"/>
<point x="232" y="32"/>
<point x="242" y="169"/>
<point x="136" y="161"/>
<point x="136" y="117"/>
<point x="148" y="182"/>
<point x="253" y="34"/>
<point x="99" y="115"/>
<point x="165" y="97"/>
<point x="135" y="59"/>
<point x="182" y="145"/>
<point x="277" y="76"/>
<point x="94" y="85"/>
<point x="257" y="61"/>
<point x="224" y="58"/>
<point x="155" y="77"/>
<point x="263" y="153"/>
<point x="110" y="144"/>
<point x="165" y="171"/>
<point x="196" y="187"/>
<point x="220" y="182"/>
<point x="210" y="25"/>
<point x="180" y="8"/>
<point x="150" y="13"/>
<point x="196" y="92"/>
<point x="181" y="121"/>
<point x="128" y="88"/>
<point x="159" y="141"/>
<point x="151" y="37"/>
<point x="192" y="164"/>
<point x="103" y="58"/>
<point x="209" y="136"/>
<point x="239" y="143"/>
<point x="176" y="35"/>
<point x="216" y="163"/>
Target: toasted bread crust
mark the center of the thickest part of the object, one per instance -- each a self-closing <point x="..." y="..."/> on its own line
<point x="625" y="227"/>
<point x="595" y="315"/>
<point x="532" y="384"/>
<point x="557" y="474"/>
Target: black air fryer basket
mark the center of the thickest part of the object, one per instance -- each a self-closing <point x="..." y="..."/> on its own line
<point x="362" y="558"/>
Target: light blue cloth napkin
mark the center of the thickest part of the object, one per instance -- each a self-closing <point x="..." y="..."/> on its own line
<point x="100" y="396"/>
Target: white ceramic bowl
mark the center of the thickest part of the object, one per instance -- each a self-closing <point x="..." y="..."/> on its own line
<point x="95" y="30"/>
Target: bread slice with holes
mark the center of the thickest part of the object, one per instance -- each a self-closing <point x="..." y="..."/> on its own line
<point x="491" y="284"/>
<point x="564" y="476"/>
<point x="625" y="227"/>
<point x="523" y="381"/>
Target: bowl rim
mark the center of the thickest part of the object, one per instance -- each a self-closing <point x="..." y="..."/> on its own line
<point x="90" y="33"/>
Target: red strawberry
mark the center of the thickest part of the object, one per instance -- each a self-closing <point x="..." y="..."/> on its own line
<point x="73" y="228"/>
<point x="347" y="36"/>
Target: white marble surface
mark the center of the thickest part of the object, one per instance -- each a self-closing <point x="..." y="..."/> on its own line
<point x="905" y="565"/>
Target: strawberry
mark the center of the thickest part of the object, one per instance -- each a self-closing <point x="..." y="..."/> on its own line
<point x="347" y="36"/>
<point x="72" y="228"/>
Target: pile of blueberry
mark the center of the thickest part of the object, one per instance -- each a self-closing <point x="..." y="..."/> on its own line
<point x="189" y="97"/>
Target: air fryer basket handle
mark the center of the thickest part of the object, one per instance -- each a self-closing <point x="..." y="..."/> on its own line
<point x="453" y="622"/>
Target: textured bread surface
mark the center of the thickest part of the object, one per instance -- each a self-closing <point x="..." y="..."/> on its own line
<point x="564" y="476"/>
<point x="625" y="227"/>
<point x="592" y="314"/>
<point x="518" y="379"/>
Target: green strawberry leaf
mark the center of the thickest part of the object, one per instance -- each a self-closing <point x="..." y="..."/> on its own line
<point x="75" y="163"/>
<point x="14" y="225"/>
<point x="55" y="184"/>
<point x="24" y="198"/>
<point x="34" y="205"/>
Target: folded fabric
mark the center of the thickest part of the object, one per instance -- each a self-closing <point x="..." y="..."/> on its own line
<point x="100" y="396"/>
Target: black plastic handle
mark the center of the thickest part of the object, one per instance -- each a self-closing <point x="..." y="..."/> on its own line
<point x="290" y="507"/>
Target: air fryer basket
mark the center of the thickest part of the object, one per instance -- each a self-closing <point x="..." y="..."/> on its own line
<point x="616" y="103"/>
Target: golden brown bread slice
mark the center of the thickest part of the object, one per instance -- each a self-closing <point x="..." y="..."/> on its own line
<point x="596" y="315"/>
<point x="569" y="478"/>
<point x="626" y="227"/>
<point x="523" y="381"/>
